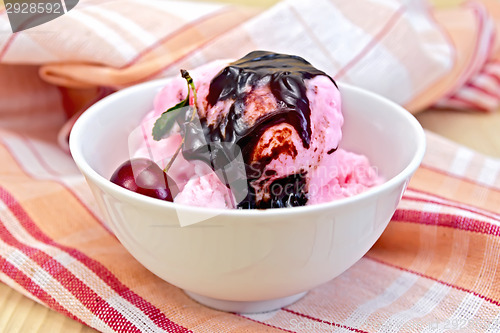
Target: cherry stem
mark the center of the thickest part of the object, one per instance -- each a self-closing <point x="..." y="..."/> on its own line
<point x="190" y="82"/>
<point x="189" y="79"/>
<point x="172" y="159"/>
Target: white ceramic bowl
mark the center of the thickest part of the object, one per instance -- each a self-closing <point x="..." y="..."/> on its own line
<point x="249" y="260"/>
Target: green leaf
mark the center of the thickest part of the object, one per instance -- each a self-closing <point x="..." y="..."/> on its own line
<point x="166" y="121"/>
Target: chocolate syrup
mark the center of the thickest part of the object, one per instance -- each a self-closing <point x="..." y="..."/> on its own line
<point x="287" y="192"/>
<point x="285" y="75"/>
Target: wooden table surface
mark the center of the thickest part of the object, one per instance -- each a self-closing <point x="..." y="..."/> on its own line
<point x="479" y="131"/>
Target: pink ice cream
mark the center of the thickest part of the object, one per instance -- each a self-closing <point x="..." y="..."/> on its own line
<point x="290" y="153"/>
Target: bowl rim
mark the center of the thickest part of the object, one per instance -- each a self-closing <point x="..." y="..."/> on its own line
<point x="88" y="171"/>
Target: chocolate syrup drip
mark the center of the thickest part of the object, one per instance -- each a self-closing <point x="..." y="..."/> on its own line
<point x="285" y="75"/>
<point x="287" y="192"/>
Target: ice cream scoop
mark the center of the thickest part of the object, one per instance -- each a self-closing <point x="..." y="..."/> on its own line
<point x="266" y="122"/>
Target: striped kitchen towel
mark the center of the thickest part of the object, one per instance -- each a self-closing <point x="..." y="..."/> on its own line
<point x="433" y="269"/>
<point x="401" y="49"/>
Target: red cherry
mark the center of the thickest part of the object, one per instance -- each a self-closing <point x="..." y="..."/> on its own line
<point x="144" y="176"/>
